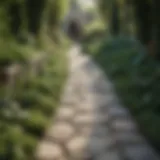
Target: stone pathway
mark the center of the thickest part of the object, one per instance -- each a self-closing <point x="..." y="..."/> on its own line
<point x="91" y="124"/>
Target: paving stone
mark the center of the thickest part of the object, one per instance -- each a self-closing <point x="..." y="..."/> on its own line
<point x="84" y="119"/>
<point x="139" y="152"/>
<point x="85" y="107"/>
<point x="85" y="130"/>
<point x="97" y="144"/>
<point x="84" y="110"/>
<point x="108" y="156"/>
<point x="65" y="113"/>
<point x="69" y="101"/>
<point x="49" y="151"/>
<point x="123" y="124"/>
<point x="77" y="146"/>
<point x="100" y="131"/>
<point x="116" y="111"/>
<point x="90" y="119"/>
<point x="61" y="131"/>
<point x="101" y="100"/>
<point x="125" y="138"/>
<point x="101" y="118"/>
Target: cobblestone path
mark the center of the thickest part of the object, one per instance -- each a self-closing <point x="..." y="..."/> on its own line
<point x="91" y="124"/>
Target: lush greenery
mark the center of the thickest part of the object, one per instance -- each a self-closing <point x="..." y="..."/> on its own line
<point x="128" y="52"/>
<point x="134" y="17"/>
<point x="136" y="78"/>
<point x="31" y="40"/>
<point x="27" y="113"/>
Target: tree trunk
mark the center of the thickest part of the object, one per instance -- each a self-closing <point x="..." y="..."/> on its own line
<point x="35" y="9"/>
<point x="156" y="27"/>
<point x="143" y="19"/>
<point x="115" y="21"/>
<point x="15" y="21"/>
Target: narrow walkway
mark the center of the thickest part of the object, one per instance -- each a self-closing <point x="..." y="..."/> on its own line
<point x="91" y="124"/>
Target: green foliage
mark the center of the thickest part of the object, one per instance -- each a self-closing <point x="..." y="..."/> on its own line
<point x="110" y="11"/>
<point x="29" y="16"/>
<point x="57" y="11"/>
<point x="26" y="113"/>
<point x="136" y="78"/>
<point x="4" y="28"/>
<point x="11" y="52"/>
<point x="24" y="119"/>
<point x="25" y="110"/>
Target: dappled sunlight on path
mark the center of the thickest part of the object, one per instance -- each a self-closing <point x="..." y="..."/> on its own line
<point x="91" y="123"/>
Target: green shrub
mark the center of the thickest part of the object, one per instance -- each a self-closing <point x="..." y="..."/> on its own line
<point x="26" y="110"/>
<point x="136" y="78"/>
<point x="25" y="117"/>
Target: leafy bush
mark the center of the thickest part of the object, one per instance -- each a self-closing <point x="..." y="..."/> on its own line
<point x="27" y="105"/>
<point x="136" y="78"/>
<point x="26" y="115"/>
